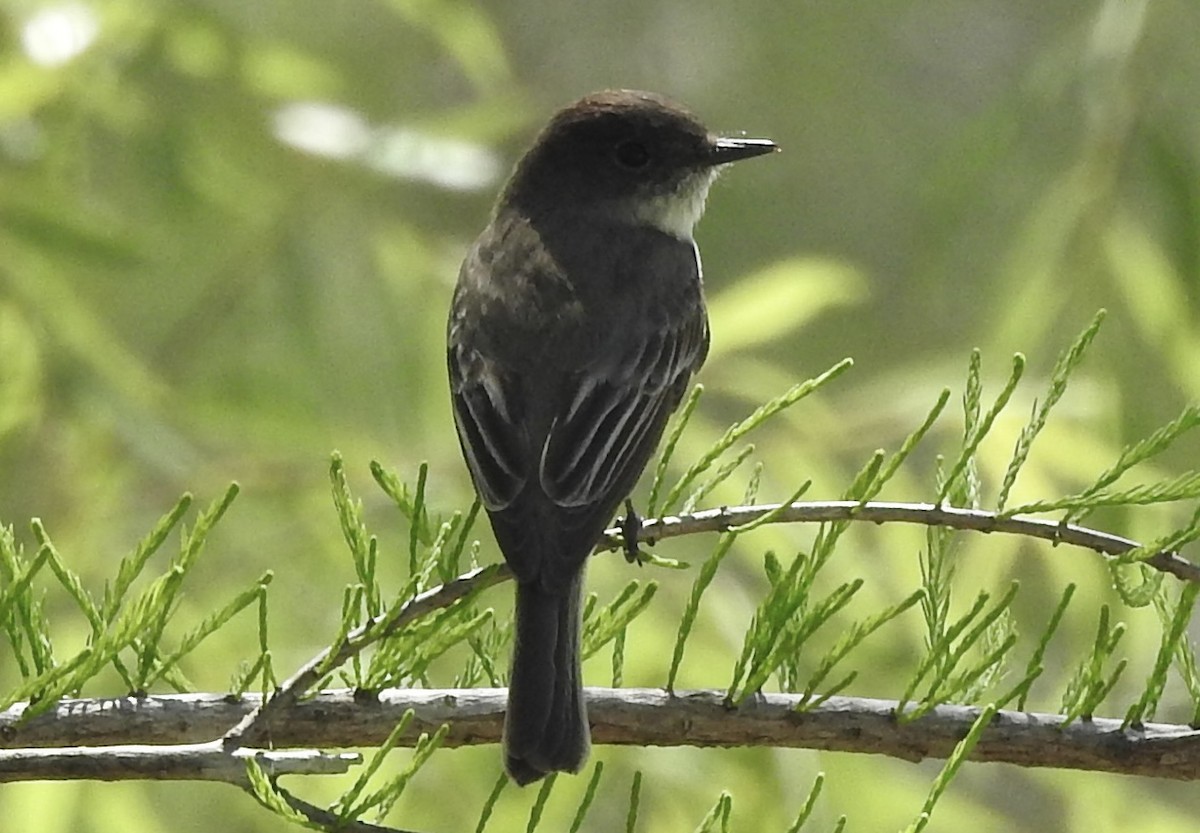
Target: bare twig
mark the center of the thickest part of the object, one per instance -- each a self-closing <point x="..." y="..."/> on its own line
<point x="879" y="512"/>
<point x="179" y="762"/>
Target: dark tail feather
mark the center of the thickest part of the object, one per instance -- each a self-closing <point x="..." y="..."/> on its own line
<point x="546" y="728"/>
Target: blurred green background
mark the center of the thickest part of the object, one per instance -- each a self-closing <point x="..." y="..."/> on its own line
<point x="229" y="231"/>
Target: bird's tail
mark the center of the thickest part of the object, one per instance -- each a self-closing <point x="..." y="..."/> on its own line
<point x="546" y="728"/>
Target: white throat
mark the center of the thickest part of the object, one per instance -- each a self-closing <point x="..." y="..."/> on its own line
<point x="676" y="213"/>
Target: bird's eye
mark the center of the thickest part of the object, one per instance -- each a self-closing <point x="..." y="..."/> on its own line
<point x="632" y="155"/>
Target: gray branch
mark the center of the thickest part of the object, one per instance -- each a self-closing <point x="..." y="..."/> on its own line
<point x="642" y="717"/>
<point x="166" y="762"/>
<point x="879" y="512"/>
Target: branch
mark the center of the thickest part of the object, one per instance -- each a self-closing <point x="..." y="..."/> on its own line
<point x="182" y="762"/>
<point x="255" y="728"/>
<point x="632" y="717"/>
<point x="725" y="519"/>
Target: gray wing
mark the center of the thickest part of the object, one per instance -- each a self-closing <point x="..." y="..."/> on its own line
<point x="490" y="427"/>
<point x="603" y="437"/>
<point x="600" y="438"/>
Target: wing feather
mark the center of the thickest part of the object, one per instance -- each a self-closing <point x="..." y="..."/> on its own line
<point x="489" y="434"/>
<point x="619" y="409"/>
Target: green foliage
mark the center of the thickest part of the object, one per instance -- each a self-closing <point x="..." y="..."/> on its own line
<point x="704" y="577"/>
<point x="23" y="614"/>
<point x="943" y="667"/>
<point x="153" y="671"/>
<point x="606" y="623"/>
<point x="635" y="794"/>
<point x="435" y="549"/>
<point x="1174" y="621"/>
<point x="735" y="432"/>
<point x="189" y="292"/>
<point x="1034" y="667"/>
<point x="1182" y="487"/>
<point x="786" y="618"/>
<point x="1090" y="685"/>
<point x="809" y="804"/>
<point x="266" y="792"/>
<point x="351" y="806"/>
<point x="957" y="758"/>
<point x="963" y="479"/>
<point x="718" y="817"/>
<point x="1059" y="377"/>
<point x="589" y="796"/>
<point x="539" y="803"/>
<point x="490" y="804"/>
<point x="123" y="628"/>
<point x="816" y="691"/>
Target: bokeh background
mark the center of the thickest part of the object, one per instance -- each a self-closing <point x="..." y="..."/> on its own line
<point x="229" y="231"/>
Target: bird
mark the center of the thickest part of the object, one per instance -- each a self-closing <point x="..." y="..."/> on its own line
<point x="576" y="326"/>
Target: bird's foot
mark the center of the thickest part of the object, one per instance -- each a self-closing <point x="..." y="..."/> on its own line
<point x="631" y="528"/>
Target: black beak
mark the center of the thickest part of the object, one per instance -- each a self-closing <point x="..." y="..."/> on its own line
<point x="725" y="150"/>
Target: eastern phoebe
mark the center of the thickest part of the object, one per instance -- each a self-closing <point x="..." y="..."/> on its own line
<point x="576" y="326"/>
